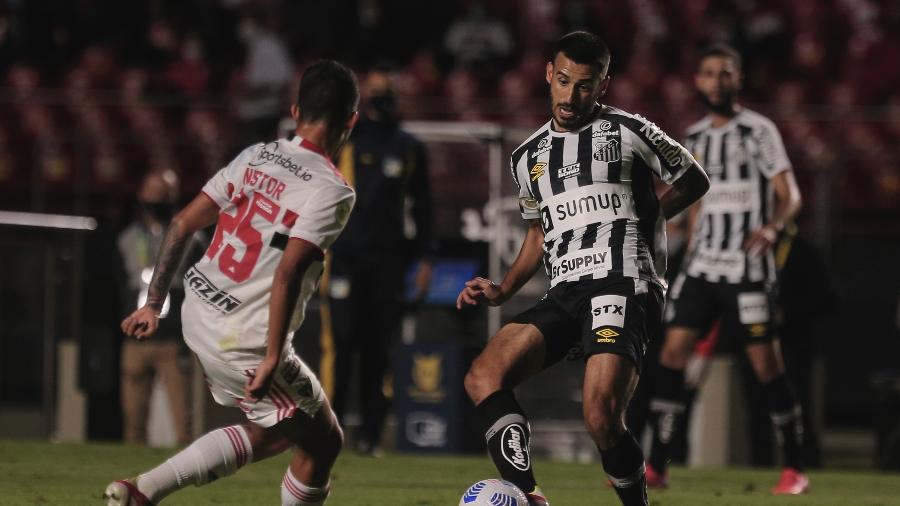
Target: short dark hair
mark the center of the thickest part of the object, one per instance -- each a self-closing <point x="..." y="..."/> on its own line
<point x="328" y="92"/>
<point x="720" y="50"/>
<point x="584" y="48"/>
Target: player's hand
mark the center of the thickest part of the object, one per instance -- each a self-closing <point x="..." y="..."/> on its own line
<point x="480" y="291"/>
<point x="142" y="323"/>
<point x="760" y="241"/>
<point x="258" y="385"/>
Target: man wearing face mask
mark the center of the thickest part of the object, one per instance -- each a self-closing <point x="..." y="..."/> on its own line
<point x="163" y="357"/>
<point x="386" y="166"/>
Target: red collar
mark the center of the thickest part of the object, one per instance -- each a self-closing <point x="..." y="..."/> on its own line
<point x="315" y="148"/>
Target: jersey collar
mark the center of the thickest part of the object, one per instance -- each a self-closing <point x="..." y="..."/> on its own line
<point x="300" y="142"/>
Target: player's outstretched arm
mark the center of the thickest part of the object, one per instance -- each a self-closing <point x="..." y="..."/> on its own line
<point x="787" y="205"/>
<point x="481" y="290"/>
<point x="686" y="190"/>
<point x="200" y="213"/>
<point x="298" y="255"/>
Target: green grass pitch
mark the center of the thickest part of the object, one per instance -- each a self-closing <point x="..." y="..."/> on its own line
<point x="37" y="473"/>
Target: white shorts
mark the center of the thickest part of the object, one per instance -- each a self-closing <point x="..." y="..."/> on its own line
<point x="294" y="387"/>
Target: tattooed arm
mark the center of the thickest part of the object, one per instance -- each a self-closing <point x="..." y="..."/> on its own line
<point x="200" y="213"/>
<point x="686" y="190"/>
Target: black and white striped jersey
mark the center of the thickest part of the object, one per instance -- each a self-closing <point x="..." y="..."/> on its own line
<point x="740" y="157"/>
<point x="593" y="191"/>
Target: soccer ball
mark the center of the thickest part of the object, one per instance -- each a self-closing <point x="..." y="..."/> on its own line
<point x="493" y="493"/>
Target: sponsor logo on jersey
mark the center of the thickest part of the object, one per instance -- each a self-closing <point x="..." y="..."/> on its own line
<point x="589" y="204"/>
<point x="565" y="266"/>
<point x="608" y="311"/>
<point x="265" y="156"/>
<point x="220" y="300"/>
<point x="571" y="170"/>
<point x="668" y="149"/>
<point x="546" y="220"/>
<point x="537" y="171"/>
<point x="607" y="335"/>
<point x="734" y="196"/>
<point x="514" y="446"/>
<point x="604" y="125"/>
<point x="542" y="147"/>
<point x="607" y="151"/>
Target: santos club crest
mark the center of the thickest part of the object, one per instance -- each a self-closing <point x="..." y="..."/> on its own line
<point x="607" y="150"/>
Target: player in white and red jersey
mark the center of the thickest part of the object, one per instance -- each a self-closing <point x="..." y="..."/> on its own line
<point x="277" y="208"/>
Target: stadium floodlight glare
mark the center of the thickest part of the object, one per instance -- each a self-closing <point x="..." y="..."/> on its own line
<point x="41" y="220"/>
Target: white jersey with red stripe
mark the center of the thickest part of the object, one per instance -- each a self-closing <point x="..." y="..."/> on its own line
<point x="267" y="195"/>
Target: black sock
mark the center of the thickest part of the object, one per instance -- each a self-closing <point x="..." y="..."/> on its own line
<point x="786" y="416"/>
<point x="624" y="464"/>
<point x="666" y="410"/>
<point x="507" y="434"/>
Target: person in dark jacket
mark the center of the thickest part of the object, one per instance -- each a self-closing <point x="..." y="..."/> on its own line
<point x="365" y="292"/>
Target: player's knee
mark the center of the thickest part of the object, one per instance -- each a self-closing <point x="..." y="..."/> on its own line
<point x="334" y="443"/>
<point x="603" y="421"/>
<point x="478" y="384"/>
<point x="674" y="356"/>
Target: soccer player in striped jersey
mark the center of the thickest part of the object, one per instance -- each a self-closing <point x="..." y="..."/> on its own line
<point x="585" y="182"/>
<point x="277" y="208"/>
<point x="729" y="271"/>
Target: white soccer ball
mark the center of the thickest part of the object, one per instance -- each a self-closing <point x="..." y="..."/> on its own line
<point x="493" y="493"/>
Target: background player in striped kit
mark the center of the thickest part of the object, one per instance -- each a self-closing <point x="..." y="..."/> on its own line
<point x="729" y="270"/>
<point x="586" y="189"/>
<point x="277" y="208"/>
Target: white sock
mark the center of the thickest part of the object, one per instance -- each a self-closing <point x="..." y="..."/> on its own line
<point x="294" y="493"/>
<point x="215" y="455"/>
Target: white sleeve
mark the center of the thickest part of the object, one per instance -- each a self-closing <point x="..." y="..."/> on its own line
<point x="772" y="153"/>
<point x="528" y="206"/>
<point x="323" y="216"/>
<point x="665" y="156"/>
<point x="221" y="186"/>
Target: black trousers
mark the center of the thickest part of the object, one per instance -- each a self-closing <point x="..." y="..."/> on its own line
<point x="366" y="303"/>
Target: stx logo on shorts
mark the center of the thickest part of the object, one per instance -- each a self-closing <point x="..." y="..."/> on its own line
<point x="220" y="300"/>
<point x="753" y="308"/>
<point x="608" y="311"/>
<point x="514" y="446"/>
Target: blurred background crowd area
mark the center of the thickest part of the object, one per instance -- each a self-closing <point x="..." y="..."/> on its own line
<point x="96" y="92"/>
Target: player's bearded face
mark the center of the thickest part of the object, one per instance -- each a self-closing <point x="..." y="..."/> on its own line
<point x="718" y="80"/>
<point x="574" y="91"/>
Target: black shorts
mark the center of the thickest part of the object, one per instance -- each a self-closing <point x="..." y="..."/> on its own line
<point x="745" y="310"/>
<point x="584" y="318"/>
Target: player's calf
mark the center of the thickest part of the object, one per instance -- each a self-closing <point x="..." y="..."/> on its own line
<point x="215" y="455"/>
<point x="508" y="438"/>
<point x="622" y="458"/>
<point x="296" y="493"/>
